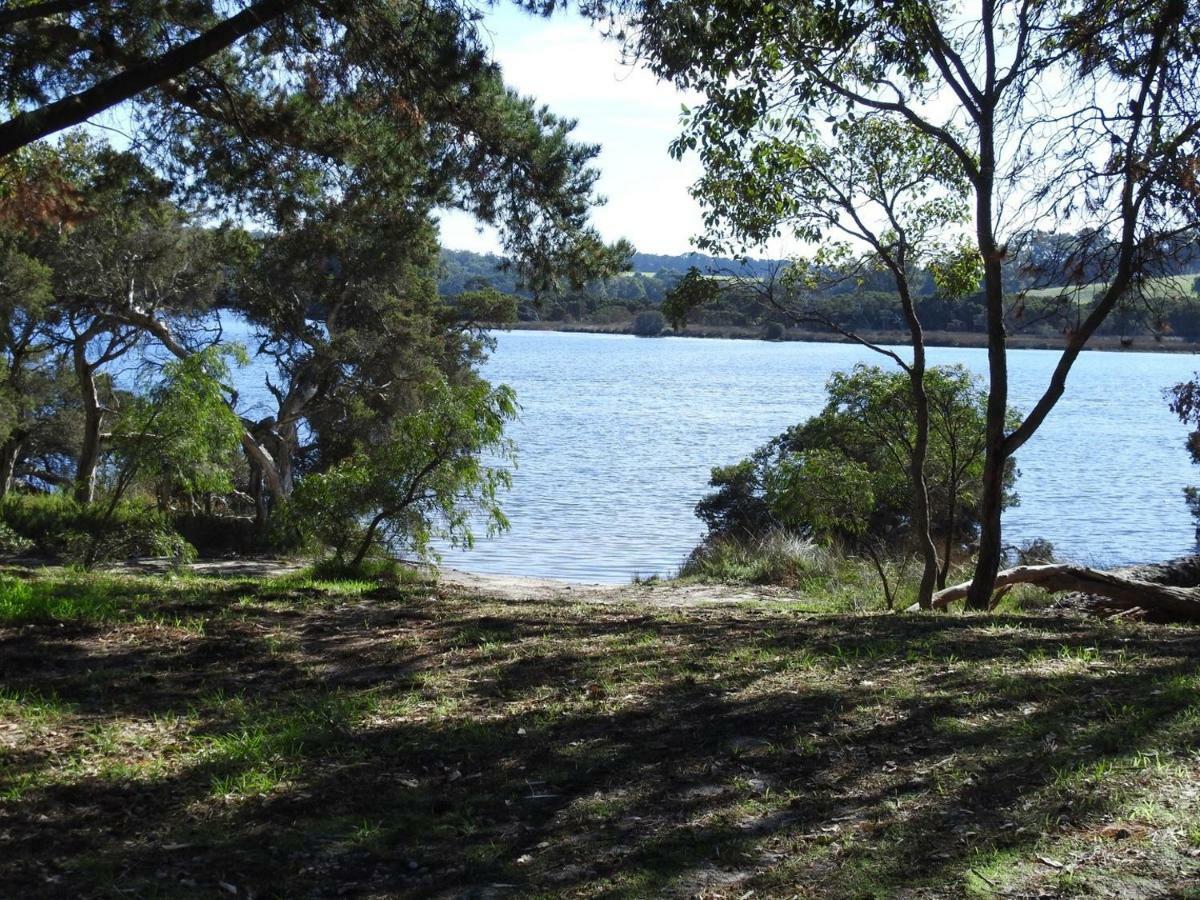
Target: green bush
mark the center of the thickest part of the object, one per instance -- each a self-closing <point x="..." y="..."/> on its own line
<point x="778" y="558"/>
<point x="11" y="542"/>
<point x="649" y="323"/>
<point x="57" y="526"/>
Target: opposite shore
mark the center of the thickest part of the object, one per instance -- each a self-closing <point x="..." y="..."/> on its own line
<point x="1139" y="344"/>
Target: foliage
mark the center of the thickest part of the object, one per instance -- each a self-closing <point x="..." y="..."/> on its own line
<point x="823" y="493"/>
<point x="423" y="479"/>
<point x="843" y="474"/>
<point x="1184" y="400"/>
<point x="182" y="436"/>
<point x="648" y="324"/>
<point x="691" y="292"/>
<point x="58" y="526"/>
<point x="11" y="542"/>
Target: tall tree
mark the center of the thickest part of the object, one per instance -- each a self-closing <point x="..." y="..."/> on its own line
<point x="878" y="195"/>
<point x="1084" y="114"/>
<point x="132" y="254"/>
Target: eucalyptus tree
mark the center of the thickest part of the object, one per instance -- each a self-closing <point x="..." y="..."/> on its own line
<point x="1081" y="115"/>
<point x="132" y="254"/>
<point x="874" y="194"/>
<point x="39" y="203"/>
<point x="422" y="478"/>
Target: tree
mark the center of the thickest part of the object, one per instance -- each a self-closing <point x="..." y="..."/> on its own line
<point x="181" y="435"/>
<point x="649" y="323"/>
<point x="133" y="254"/>
<point x="266" y="106"/>
<point x="1184" y="401"/>
<point x="866" y="433"/>
<point x="1082" y="113"/>
<point x="423" y="479"/>
<point x="39" y="201"/>
<point x="181" y="432"/>
<point x="888" y="188"/>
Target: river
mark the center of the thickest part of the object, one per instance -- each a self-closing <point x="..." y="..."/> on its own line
<point x="617" y="435"/>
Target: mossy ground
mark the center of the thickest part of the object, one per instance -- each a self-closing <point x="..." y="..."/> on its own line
<point x="184" y="736"/>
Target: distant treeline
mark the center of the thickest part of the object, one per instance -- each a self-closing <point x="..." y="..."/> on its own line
<point x="751" y="291"/>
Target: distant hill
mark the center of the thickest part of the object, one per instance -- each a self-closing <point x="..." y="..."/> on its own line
<point x="462" y="268"/>
<point x="681" y="262"/>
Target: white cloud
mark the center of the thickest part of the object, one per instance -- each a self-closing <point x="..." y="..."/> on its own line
<point x="566" y="64"/>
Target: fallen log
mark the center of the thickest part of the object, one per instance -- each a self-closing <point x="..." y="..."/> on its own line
<point x="1120" y="592"/>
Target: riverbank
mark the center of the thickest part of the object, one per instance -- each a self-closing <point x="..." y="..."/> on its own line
<point x="240" y="735"/>
<point x="1114" y="343"/>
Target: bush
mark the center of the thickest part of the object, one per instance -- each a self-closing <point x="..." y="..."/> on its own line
<point x="649" y="323"/>
<point x="57" y="526"/>
<point x="1034" y="552"/>
<point x="11" y="542"/>
<point x="774" y="332"/>
<point x="864" y="431"/>
<point x="779" y="558"/>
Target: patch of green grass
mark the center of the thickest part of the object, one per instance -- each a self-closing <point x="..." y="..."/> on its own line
<point x="80" y="598"/>
<point x="319" y="737"/>
<point x="33" y="707"/>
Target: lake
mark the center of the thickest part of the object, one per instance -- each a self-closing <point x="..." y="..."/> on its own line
<point x="618" y="434"/>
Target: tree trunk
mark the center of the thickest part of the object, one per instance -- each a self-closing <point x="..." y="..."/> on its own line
<point x="10" y="450"/>
<point x="93" y="414"/>
<point x="367" y="541"/>
<point x="920" y="488"/>
<point x="948" y="543"/>
<point x="888" y="598"/>
<point x="1122" y="591"/>
<point x="988" y="562"/>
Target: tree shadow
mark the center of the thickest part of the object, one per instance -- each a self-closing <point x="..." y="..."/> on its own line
<point x="444" y="749"/>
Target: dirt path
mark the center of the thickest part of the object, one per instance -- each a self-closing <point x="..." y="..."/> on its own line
<point x="506" y="587"/>
<point x="654" y="593"/>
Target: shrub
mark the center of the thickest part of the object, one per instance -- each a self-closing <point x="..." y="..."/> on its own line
<point x="774" y="332"/>
<point x="864" y="431"/>
<point x="11" y="542"/>
<point x="56" y="525"/>
<point x="649" y="323"/>
<point x="777" y="558"/>
<point x="1033" y="552"/>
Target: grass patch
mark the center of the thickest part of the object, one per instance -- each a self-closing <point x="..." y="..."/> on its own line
<point x="25" y="600"/>
<point x="321" y="736"/>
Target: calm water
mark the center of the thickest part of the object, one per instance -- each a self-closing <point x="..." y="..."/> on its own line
<point x="618" y="434"/>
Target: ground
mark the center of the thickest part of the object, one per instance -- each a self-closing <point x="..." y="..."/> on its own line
<point x="236" y="735"/>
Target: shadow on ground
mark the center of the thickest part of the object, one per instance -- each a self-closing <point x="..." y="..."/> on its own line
<point x="409" y="744"/>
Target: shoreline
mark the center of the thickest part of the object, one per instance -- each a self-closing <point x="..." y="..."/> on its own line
<point x="960" y="339"/>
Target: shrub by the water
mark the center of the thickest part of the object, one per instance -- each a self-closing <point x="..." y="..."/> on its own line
<point x="773" y="332"/>
<point x="649" y="323"/>
<point x="56" y="525"/>
<point x="777" y="558"/>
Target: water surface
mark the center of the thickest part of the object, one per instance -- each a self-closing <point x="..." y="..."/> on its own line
<point x="618" y="434"/>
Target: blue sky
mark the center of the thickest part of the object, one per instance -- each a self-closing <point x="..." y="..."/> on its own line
<point x="567" y="65"/>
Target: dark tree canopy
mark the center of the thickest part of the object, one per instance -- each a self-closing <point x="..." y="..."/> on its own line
<point x="293" y="101"/>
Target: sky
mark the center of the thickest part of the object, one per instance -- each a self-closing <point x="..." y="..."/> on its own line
<point x="566" y="64"/>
